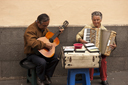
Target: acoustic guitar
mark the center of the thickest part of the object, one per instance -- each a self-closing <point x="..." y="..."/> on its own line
<point x="53" y="39"/>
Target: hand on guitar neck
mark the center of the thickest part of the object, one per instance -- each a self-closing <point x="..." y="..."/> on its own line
<point x="61" y="31"/>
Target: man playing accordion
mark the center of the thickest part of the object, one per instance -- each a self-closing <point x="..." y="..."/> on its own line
<point x="96" y="23"/>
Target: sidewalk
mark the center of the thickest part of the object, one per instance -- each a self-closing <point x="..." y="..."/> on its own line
<point x="115" y="78"/>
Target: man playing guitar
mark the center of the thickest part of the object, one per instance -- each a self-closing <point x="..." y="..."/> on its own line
<point x="45" y="66"/>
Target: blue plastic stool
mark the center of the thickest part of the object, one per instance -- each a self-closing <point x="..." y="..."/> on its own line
<point x="97" y="73"/>
<point x="72" y="73"/>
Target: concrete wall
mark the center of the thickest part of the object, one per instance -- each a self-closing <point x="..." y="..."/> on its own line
<point x="11" y="50"/>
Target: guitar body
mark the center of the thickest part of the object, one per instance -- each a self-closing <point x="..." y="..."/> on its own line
<point x="51" y="37"/>
<point x="45" y="52"/>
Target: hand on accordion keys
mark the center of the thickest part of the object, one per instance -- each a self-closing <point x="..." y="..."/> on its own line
<point x="83" y="41"/>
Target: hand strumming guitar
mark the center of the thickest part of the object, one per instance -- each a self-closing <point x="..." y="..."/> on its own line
<point x="48" y="46"/>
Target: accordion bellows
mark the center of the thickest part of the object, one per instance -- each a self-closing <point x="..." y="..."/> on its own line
<point x="102" y="39"/>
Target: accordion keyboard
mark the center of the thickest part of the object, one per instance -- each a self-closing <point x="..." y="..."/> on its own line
<point x="86" y="35"/>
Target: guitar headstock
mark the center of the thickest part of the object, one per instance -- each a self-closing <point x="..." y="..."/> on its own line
<point x="65" y="24"/>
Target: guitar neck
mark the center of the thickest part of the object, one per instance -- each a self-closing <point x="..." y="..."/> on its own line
<point x="65" y="24"/>
<point x="56" y="35"/>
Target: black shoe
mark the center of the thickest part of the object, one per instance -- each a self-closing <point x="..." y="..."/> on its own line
<point x="48" y="79"/>
<point x="104" y="83"/>
<point x="39" y="82"/>
<point x="43" y="82"/>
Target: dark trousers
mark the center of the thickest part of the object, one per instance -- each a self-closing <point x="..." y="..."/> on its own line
<point x="45" y="66"/>
<point x="103" y="69"/>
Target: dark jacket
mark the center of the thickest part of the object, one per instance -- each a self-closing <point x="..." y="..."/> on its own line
<point x="31" y="35"/>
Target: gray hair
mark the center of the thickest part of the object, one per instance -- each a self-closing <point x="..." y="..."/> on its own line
<point x="97" y="13"/>
<point x="43" y="18"/>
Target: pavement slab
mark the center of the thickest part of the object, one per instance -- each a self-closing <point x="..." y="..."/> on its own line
<point x="114" y="78"/>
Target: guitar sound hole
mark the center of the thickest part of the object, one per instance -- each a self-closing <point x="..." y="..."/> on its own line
<point x="51" y="40"/>
<point x="46" y="49"/>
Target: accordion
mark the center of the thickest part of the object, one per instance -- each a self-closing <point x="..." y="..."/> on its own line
<point x="101" y="38"/>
